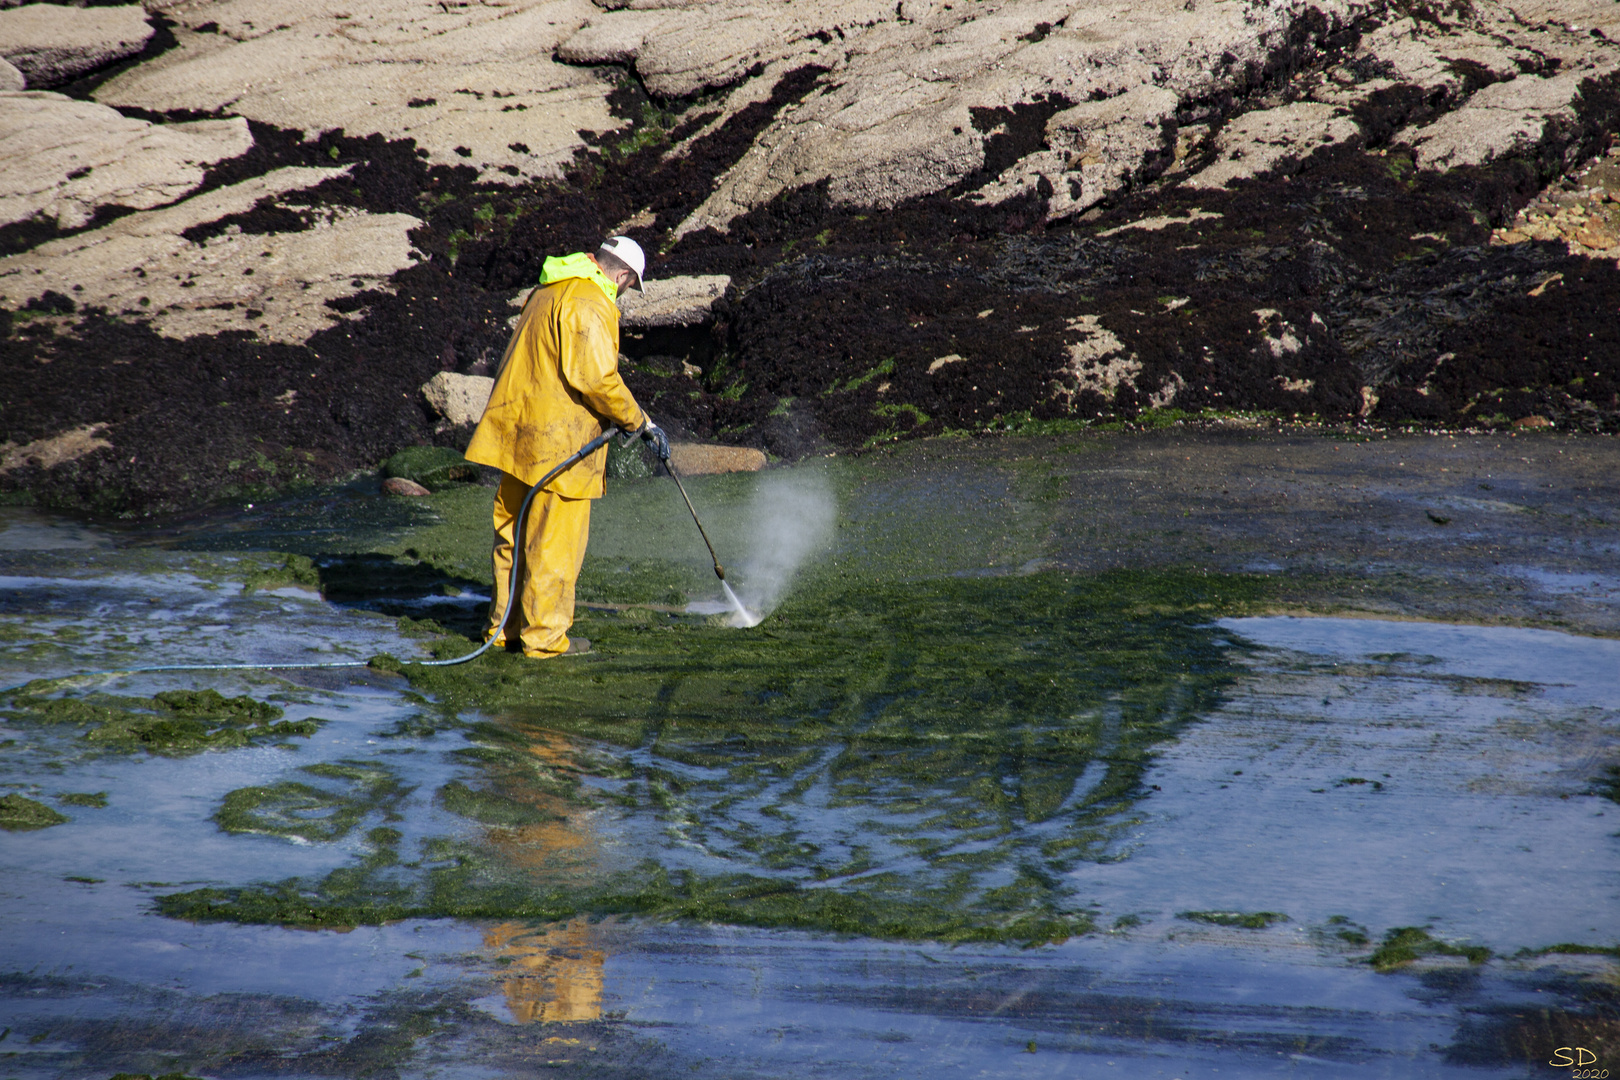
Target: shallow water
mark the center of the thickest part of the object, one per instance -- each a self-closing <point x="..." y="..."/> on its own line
<point x="1249" y="812"/>
<point x="1355" y="776"/>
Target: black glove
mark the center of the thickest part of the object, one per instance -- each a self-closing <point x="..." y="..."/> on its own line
<point x="655" y="435"/>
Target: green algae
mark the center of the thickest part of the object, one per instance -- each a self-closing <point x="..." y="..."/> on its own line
<point x="291" y="570"/>
<point x="171" y="723"/>
<point x="1567" y="948"/>
<point x="94" y="799"/>
<point x="1246" y="920"/>
<point x="490" y="807"/>
<point x="434" y="467"/>
<point x="1343" y="932"/>
<point x="471" y="884"/>
<point x="1406" y="944"/>
<point x="18" y="813"/>
<point x="907" y="760"/>
<point x="296" y="810"/>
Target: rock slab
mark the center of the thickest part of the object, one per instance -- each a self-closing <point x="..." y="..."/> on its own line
<point x="66" y="158"/>
<point x="51" y="44"/>
<point x="275" y="285"/>
<point x="398" y="485"/>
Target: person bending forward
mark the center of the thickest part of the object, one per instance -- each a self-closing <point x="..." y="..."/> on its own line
<point x="557" y="387"/>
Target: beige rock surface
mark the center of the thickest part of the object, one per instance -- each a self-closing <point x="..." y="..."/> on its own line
<point x="912" y="90"/>
<point x="54" y="43"/>
<point x="1096" y="149"/>
<point x="487" y="69"/>
<point x="1257" y="142"/>
<point x="674" y="301"/>
<point x="276" y="284"/>
<point x="897" y="117"/>
<point x="64" y="158"/>
<point x="681" y="48"/>
<point x="1502" y="118"/>
<point x="54" y="450"/>
<point x="459" y="399"/>
<point x="1098" y="361"/>
<point x="11" y="80"/>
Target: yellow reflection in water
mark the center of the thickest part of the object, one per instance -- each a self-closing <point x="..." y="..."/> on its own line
<point x="562" y="847"/>
<point x="555" y="973"/>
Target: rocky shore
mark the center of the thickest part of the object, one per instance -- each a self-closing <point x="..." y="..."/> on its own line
<point x="237" y="239"/>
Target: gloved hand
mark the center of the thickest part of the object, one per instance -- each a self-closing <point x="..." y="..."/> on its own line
<point x="655" y="435"/>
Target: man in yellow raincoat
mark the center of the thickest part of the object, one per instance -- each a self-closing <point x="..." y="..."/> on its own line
<point x="557" y="387"/>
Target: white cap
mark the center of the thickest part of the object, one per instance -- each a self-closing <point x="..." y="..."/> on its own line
<point x="629" y="252"/>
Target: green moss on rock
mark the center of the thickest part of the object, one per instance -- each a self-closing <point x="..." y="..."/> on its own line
<point x="292" y="570"/>
<point x="434" y="467"/>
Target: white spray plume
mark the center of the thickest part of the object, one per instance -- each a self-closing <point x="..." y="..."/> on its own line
<point x="790" y="519"/>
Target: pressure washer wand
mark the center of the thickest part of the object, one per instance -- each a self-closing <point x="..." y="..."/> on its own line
<point x="719" y="571"/>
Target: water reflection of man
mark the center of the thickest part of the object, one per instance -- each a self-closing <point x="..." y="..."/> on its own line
<point x="557" y="387"/>
<point x="555" y="973"/>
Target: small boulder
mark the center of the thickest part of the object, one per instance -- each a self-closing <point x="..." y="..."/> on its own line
<point x="53" y="44"/>
<point x="702" y="459"/>
<point x="398" y="485"/>
<point x="11" y="80"/>
<point x="460" y="399"/>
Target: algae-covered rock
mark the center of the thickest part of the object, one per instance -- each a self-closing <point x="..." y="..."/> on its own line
<point x="433" y="467"/>
<point x="212" y="704"/>
<point x="171" y="723"/>
<point x="293" y="570"/>
<point x="19" y="813"/>
<point x="1404" y="945"/>
<point x="1245" y="920"/>
<point x="999" y="729"/>
<point x="296" y="810"/>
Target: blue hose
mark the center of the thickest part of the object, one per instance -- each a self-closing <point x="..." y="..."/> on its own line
<point x="511" y="594"/>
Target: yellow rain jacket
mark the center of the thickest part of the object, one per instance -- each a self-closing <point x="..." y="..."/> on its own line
<point x="558" y="382"/>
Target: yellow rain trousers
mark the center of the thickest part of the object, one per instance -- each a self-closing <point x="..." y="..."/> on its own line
<point x="557" y="385"/>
